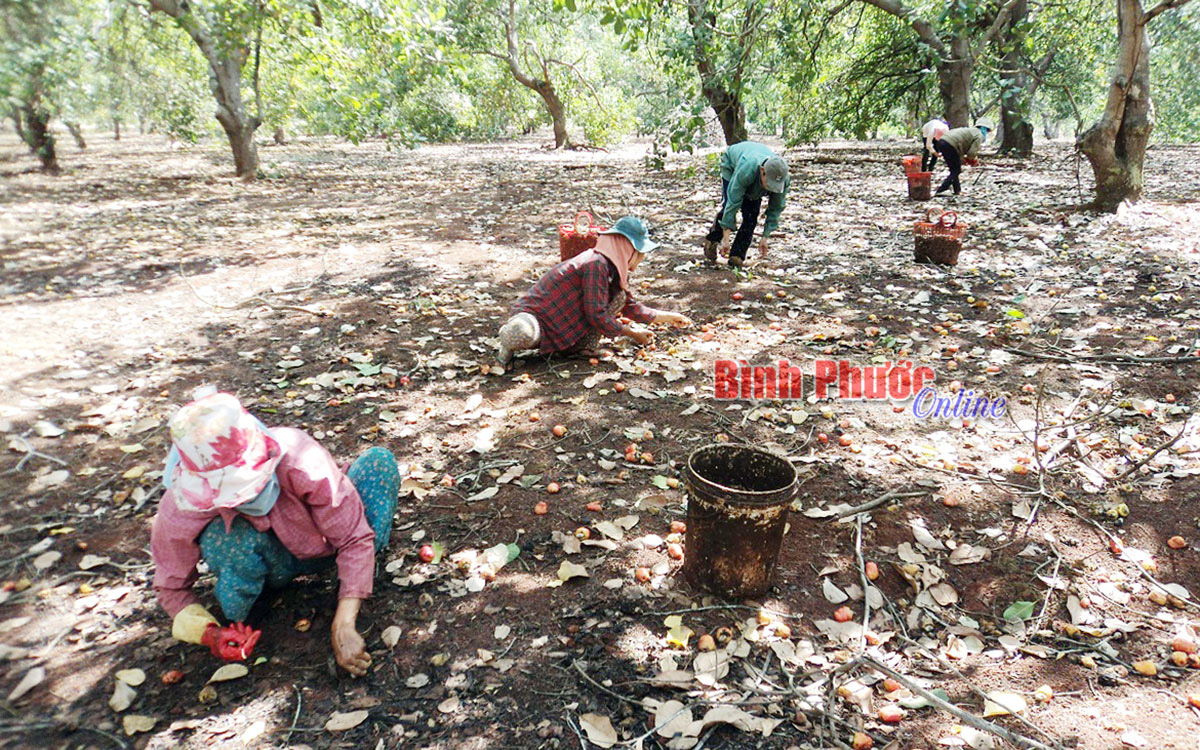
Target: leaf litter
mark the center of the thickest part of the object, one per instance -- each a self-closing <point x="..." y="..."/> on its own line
<point x="928" y="589"/>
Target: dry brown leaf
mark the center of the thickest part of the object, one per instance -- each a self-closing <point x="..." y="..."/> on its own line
<point x="390" y="636"/>
<point x="32" y="679"/>
<point x="340" y="722"/>
<point x="131" y="677"/>
<point x="599" y="729"/>
<point x="229" y="672"/>
<point x="122" y="697"/>
<point x="134" y="723"/>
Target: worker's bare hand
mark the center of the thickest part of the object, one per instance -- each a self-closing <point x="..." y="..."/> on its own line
<point x="349" y="649"/>
<point x="726" y="241"/>
<point x="674" y="319"/>
<point x="641" y="335"/>
<point x="762" y="247"/>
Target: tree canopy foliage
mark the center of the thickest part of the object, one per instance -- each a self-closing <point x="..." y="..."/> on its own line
<point x="688" y="71"/>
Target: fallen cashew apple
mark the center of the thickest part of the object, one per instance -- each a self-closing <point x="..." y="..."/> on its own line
<point x="1184" y="644"/>
<point x="1176" y="542"/>
<point x="843" y="614"/>
<point x="862" y="741"/>
<point x="642" y="575"/>
<point x="426" y="553"/>
<point x="1147" y="668"/>
<point x="541" y="508"/>
<point x="891" y="714"/>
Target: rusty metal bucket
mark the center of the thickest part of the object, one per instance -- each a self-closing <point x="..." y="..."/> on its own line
<point x="738" y="499"/>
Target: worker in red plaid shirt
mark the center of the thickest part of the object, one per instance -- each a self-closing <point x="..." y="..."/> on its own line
<point x="579" y="300"/>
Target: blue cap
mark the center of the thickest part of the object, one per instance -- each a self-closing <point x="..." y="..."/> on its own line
<point x="634" y="230"/>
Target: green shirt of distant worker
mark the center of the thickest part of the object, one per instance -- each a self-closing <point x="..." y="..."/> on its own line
<point x="750" y="171"/>
<point x="957" y="146"/>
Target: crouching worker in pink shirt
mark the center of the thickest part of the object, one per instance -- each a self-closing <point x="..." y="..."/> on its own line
<point x="261" y="507"/>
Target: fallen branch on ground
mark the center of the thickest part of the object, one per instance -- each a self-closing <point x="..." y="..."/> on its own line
<point x="1133" y="469"/>
<point x="881" y="500"/>
<point x="1112" y="359"/>
<point x="970" y="719"/>
<point x="259" y="299"/>
<point x="31" y="453"/>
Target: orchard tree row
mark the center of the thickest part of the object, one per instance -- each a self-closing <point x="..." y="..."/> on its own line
<point x="1114" y="73"/>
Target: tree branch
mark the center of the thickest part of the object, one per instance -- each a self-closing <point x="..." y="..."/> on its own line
<point x="1039" y="72"/>
<point x="1162" y="7"/>
<point x="510" y="38"/>
<point x="997" y="24"/>
<point x="258" y="105"/>
<point x="923" y="28"/>
<point x="584" y="81"/>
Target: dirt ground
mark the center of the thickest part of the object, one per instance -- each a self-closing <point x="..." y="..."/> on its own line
<point x="355" y="292"/>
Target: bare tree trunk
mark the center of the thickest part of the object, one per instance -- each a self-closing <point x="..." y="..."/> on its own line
<point x="558" y="113"/>
<point x="1017" y="132"/>
<point x="225" y="63"/>
<point x="1016" y="136"/>
<point x="730" y="113"/>
<point x="14" y="114"/>
<point x="956" y="60"/>
<point x="1116" y="145"/>
<point x="727" y="105"/>
<point x="38" y="136"/>
<point x="543" y="86"/>
<point x="280" y="136"/>
<point x="116" y="125"/>
<point x="954" y="83"/>
<point x="226" y="85"/>
<point x="77" y="134"/>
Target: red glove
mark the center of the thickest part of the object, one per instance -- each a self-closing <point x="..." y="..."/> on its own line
<point x="971" y="161"/>
<point x="233" y="643"/>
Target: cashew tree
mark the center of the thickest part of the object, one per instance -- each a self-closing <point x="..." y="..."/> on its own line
<point x="721" y="40"/>
<point x="529" y="40"/>
<point x="39" y="60"/>
<point x="223" y="32"/>
<point x="1115" y="145"/>
<point x="957" y="33"/>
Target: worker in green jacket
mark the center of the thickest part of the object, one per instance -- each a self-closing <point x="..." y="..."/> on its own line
<point x="749" y="172"/>
<point x="957" y="146"/>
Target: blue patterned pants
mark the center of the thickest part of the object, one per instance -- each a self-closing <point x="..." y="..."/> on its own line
<point x="246" y="560"/>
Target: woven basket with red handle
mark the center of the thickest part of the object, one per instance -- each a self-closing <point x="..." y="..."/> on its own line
<point x="578" y="236"/>
<point x="939" y="240"/>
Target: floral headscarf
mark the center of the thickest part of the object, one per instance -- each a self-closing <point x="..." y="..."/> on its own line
<point x="225" y="457"/>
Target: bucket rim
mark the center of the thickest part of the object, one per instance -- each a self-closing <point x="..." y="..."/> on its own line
<point x="745" y="495"/>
